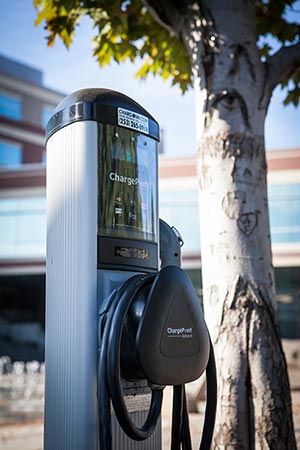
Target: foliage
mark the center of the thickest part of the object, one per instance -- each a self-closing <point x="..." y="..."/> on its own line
<point x="126" y="30"/>
<point x="275" y="28"/>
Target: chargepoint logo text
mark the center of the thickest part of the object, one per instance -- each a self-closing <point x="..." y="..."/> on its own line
<point x="114" y="176"/>
<point x="180" y="332"/>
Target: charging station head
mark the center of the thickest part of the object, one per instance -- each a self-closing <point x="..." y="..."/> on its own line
<point x="124" y="137"/>
<point x="172" y="339"/>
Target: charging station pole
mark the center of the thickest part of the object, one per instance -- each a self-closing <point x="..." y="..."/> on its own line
<point x="102" y="228"/>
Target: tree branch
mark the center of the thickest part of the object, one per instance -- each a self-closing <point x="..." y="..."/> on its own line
<point x="283" y="64"/>
<point x="168" y="13"/>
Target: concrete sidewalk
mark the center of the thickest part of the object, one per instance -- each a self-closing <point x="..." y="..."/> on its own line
<point x="29" y="435"/>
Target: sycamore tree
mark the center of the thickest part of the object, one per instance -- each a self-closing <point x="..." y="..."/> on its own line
<point x="233" y="53"/>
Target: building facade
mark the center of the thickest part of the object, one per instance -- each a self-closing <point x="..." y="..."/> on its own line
<point x="25" y="107"/>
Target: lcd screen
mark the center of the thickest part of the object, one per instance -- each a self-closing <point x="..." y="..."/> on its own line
<point x="127" y="192"/>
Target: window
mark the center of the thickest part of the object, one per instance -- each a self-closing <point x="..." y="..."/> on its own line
<point x="46" y="114"/>
<point x="10" y="154"/>
<point x="287" y="281"/>
<point x="284" y="203"/>
<point x="180" y="209"/>
<point x="44" y="157"/>
<point x="23" y="227"/>
<point x="10" y="106"/>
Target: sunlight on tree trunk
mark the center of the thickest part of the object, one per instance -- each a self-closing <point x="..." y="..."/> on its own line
<point x="254" y="408"/>
<point x="239" y="298"/>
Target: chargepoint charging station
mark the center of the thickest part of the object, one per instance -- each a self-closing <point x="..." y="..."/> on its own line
<point x="120" y="325"/>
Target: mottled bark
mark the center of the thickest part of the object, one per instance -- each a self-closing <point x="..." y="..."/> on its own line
<point x="254" y="409"/>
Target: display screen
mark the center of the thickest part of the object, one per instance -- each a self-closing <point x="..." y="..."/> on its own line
<point x="132" y="252"/>
<point x="127" y="191"/>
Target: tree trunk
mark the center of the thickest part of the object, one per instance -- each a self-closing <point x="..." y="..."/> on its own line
<point x="254" y="403"/>
<point x="254" y="399"/>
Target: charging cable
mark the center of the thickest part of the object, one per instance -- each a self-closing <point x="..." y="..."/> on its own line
<point x="112" y="315"/>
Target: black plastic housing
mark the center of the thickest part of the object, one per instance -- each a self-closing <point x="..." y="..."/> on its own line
<point x="100" y="105"/>
<point x="171" y="345"/>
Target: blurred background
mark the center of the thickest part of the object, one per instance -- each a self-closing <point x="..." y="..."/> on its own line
<point x="33" y="80"/>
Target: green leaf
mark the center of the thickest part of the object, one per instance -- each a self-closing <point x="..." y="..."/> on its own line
<point x="293" y="93"/>
<point x="274" y="25"/>
<point x="125" y="30"/>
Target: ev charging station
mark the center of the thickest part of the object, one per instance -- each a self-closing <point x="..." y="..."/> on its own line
<point x="120" y="325"/>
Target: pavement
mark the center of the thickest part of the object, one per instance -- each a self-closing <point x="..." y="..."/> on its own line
<point x="28" y="434"/>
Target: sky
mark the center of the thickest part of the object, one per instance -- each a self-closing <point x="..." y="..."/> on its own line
<point x="69" y="70"/>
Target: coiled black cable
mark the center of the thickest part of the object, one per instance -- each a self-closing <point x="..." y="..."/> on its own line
<point x="109" y="377"/>
<point x="180" y="437"/>
<point x="186" y="435"/>
<point x="210" y="409"/>
<point x="177" y="416"/>
<point x="110" y="387"/>
<point x="211" y="401"/>
<point x="114" y="375"/>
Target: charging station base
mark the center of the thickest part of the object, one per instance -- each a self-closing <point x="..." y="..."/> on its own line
<point x="122" y="441"/>
<point x="137" y="398"/>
